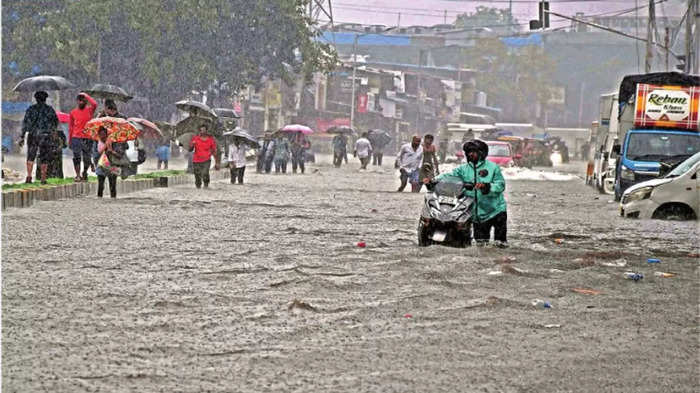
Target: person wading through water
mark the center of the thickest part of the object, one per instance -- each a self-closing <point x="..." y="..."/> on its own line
<point x="40" y="122"/>
<point x="203" y="147"/>
<point x="79" y="142"/>
<point x="485" y="183"/>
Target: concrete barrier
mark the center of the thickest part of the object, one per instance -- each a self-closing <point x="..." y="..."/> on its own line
<point x="27" y="197"/>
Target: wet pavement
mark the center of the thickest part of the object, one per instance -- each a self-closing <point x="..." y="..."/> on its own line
<point x="261" y="287"/>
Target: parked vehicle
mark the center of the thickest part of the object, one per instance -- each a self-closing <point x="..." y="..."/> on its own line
<point x="658" y="121"/>
<point x="604" y="158"/>
<point x="501" y="153"/>
<point x="447" y="214"/>
<point x="674" y="196"/>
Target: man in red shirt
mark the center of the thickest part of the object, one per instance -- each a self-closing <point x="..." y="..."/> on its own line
<point x="79" y="142"/>
<point x="204" y="147"/>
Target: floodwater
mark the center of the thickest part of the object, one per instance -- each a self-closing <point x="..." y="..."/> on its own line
<point x="261" y="287"/>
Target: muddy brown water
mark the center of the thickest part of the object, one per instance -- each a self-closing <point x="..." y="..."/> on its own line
<point x="261" y="287"/>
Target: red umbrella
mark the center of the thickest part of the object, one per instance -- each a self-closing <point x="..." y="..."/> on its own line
<point x="148" y="129"/>
<point x="118" y="130"/>
<point x="63" y="117"/>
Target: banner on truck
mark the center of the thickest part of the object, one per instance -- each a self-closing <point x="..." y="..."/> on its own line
<point x="667" y="106"/>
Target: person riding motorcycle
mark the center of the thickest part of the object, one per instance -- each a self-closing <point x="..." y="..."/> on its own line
<point x="485" y="183"/>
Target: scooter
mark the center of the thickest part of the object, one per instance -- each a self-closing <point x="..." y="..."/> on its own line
<point x="447" y="214"/>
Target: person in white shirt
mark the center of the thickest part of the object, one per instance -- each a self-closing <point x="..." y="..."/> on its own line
<point x="408" y="161"/>
<point x="236" y="159"/>
<point x="363" y="150"/>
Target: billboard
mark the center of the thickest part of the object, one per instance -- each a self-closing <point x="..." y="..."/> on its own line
<point x="667" y="106"/>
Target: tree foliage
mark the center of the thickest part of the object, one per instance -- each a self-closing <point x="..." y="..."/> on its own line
<point x="163" y="49"/>
<point x="516" y="80"/>
<point x="487" y="17"/>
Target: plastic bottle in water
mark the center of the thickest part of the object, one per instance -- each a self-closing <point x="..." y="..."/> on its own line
<point x="541" y="304"/>
<point x="634" y="276"/>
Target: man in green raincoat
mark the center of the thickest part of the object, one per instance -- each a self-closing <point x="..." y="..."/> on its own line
<point x="485" y="183"/>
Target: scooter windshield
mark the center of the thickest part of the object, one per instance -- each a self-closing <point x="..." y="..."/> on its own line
<point x="449" y="186"/>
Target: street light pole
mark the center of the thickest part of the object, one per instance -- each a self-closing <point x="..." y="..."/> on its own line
<point x="354" y="68"/>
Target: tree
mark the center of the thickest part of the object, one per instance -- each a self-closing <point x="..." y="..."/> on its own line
<point x="515" y="80"/>
<point x="165" y="49"/>
<point x="494" y="18"/>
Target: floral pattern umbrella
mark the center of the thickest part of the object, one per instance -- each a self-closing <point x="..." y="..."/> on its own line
<point x="118" y="130"/>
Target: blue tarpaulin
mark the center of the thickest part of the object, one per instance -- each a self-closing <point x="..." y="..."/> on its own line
<point x="364" y="39"/>
<point x="519" y="42"/>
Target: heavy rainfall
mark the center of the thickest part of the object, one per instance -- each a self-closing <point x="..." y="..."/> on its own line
<point x="337" y="196"/>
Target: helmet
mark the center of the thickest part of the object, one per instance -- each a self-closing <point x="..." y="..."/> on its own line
<point x="478" y="146"/>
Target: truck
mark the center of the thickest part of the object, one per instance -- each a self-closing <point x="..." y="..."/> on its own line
<point x="657" y="122"/>
<point x="604" y="159"/>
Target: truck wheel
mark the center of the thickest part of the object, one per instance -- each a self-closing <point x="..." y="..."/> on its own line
<point x="423" y="235"/>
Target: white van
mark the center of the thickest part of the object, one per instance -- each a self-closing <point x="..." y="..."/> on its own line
<point x="674" y="196"/>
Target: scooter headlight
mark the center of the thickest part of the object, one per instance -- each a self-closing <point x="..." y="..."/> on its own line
<point x="636" y="195"/>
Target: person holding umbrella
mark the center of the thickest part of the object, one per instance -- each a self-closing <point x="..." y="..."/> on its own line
<point x="40" y="122"/>
<point x="79" y="142"/>
<point x="299" y="145"/>
<point x="112" y="151"/>
<point x="236" y="159"/>
<point x="203" y="147"/>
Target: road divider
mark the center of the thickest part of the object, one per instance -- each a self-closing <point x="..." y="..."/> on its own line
<point x="27" y="197"/>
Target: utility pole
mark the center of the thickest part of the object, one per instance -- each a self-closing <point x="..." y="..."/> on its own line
<point x="398" y="23"/>
<point x="690" y="41"/>
<point x="696" y="40"/>
<point x="445" y="17"/>
<point x="354" y="68"/>
<point x="650" y="37"/>
<point x="666" y="39"/>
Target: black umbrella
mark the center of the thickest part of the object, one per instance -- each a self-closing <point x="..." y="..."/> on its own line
<point x="195" y="108"/>
<point x="108" y="92"/>
<point x="240" y="133"/>
<point x="226" y="112"/>
<point x="192" y="123"/>
<point x="44" y="83"/>
<point x="341" y="130"/>
<point x="379" y="137"/>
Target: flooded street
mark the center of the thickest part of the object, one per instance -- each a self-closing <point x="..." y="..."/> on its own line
<point x="261" y="287"/>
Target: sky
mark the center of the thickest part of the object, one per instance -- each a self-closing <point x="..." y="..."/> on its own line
<point x="431" y="12"/>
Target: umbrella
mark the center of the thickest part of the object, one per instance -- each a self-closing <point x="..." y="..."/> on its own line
<point x="226" y="112"/>
<point x="192" y="123"/>
<point x="341" y="130"/>
<point x="168" y="129"/>
<point x="297" y="128"/>
<point x="118" y="129"/>
<point x="195" y="108"/>
<point x="108" y="92"/>
<point x="379" y="137"/>
<point x="147" y="128"/>
<point x="63" y="117"/>
<point x="44" y="83"/>
<point x="185" y="139"/>
<point x="240" y="133"/>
